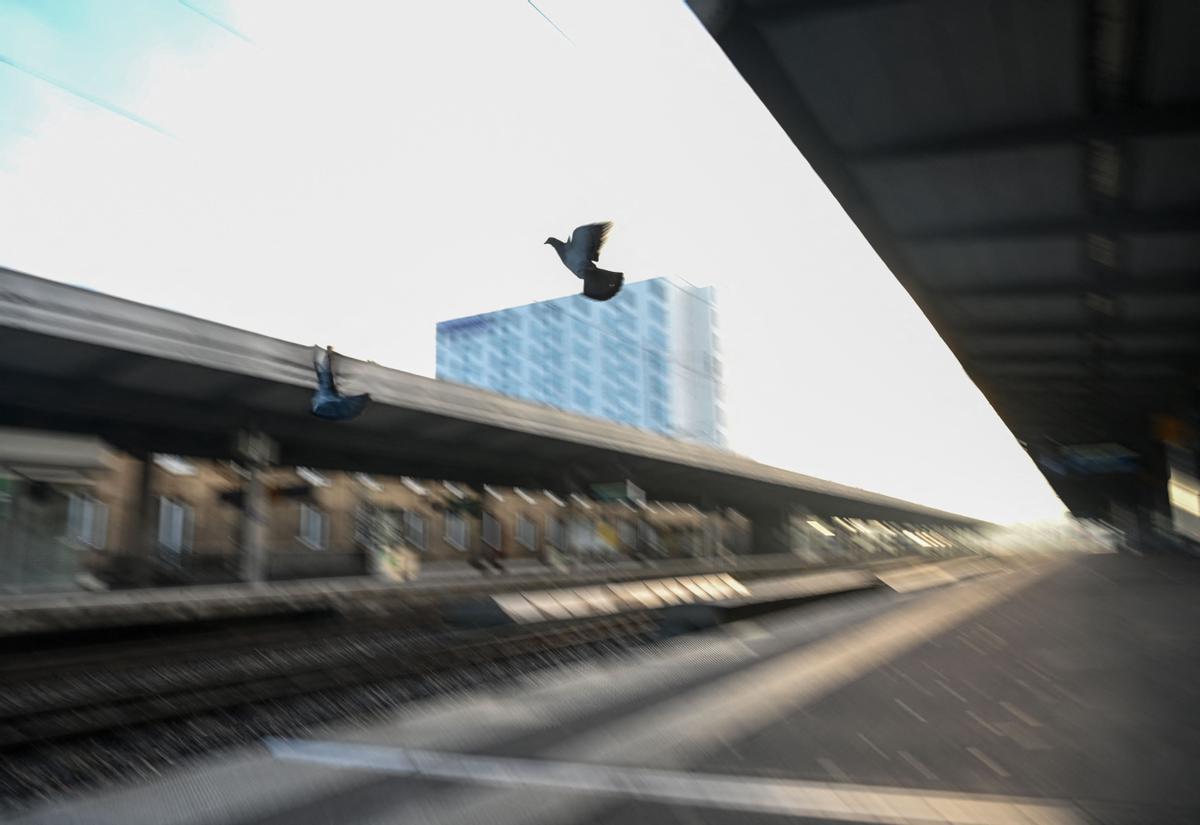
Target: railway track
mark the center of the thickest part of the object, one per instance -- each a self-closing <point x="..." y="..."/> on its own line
<point x="125" y="696"/>
<point x="231" y="639"/>
<point x="78" y="716"/>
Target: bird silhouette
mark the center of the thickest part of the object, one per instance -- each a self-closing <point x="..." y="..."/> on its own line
<point x="579" y="254"/>
<point x="327" y="402"/>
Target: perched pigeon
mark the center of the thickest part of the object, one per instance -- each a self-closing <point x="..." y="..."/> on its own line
<point x="580" y="253"/>
<point x="327" y="402"/>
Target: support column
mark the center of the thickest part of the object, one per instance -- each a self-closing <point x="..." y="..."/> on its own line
<point x="254" y="528"/>
<point x="258" y="452"/>
<point x="710" y="528"/>
<point x="139" y="538"/>
<point x="770" y="530"/>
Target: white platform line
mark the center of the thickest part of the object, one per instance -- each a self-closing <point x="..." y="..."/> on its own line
<point x="838" y="801"/>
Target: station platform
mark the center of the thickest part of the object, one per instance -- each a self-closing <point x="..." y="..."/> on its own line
<point x="61" y="612"/>
<point x="729" y="596"/>
<point x="1049" y="690"/>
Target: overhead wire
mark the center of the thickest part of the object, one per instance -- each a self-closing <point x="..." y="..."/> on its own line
<point x="216" y="21"/>
<point x="551" y="22"/>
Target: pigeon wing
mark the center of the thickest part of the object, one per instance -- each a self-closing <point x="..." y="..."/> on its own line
<point x="585" y="243"/>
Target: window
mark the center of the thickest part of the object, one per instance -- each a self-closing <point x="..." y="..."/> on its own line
<point x="456" y="531"/>
<point x="556" y="532"/>
<point x="492" y="532"/>
<point x="526" y="532"/>
<point x="656" y="339"/>
<point x="365" y="518"/>
<point x="174" y="525"/>
<point x="414" y="529"/>
<point x="314" y="527"/>
<point x="656" y="363"/>
<point x="390" y="530"/>
<point x="87" y="520"/>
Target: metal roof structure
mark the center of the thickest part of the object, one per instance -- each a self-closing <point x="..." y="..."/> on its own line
<point x="150" y="380"/>
<point x="1030" y="172"/>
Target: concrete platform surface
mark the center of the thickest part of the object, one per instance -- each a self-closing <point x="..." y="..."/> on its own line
<point x="1058" y="690"/>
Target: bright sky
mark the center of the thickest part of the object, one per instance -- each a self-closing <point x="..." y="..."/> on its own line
<point x="351" y="173"/>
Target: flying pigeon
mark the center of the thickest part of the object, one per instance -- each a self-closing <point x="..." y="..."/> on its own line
<point x="327" y="402"/>
<point x="580" y="253"/>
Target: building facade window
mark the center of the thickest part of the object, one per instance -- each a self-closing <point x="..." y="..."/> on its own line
<point x="366" y="516"/>
<point x="175" y="525"/>
<point x="414" y="530"/>
<point x="87" y="520"/>
<point x="556" y="533"/>
<point x="526" y="532"/>
<point x="456" y="531"/>
<point x="314" y="528"/>
<point x="493" y="533"/>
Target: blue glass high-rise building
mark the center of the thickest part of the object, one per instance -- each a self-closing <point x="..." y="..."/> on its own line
<point x="648" y="358"/>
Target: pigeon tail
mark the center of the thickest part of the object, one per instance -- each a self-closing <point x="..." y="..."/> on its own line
<point x="339" y="407"/>
<point x="601" y="285"/>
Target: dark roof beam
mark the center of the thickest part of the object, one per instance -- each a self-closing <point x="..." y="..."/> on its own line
<point x="1173" y="326"/>
<point x="786" y="11"/>
<point x="1118" y="222"/>
<point x="1162" y="283"/>
<point x="1146" y="123"/>
<point x="1176" y="357"/>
